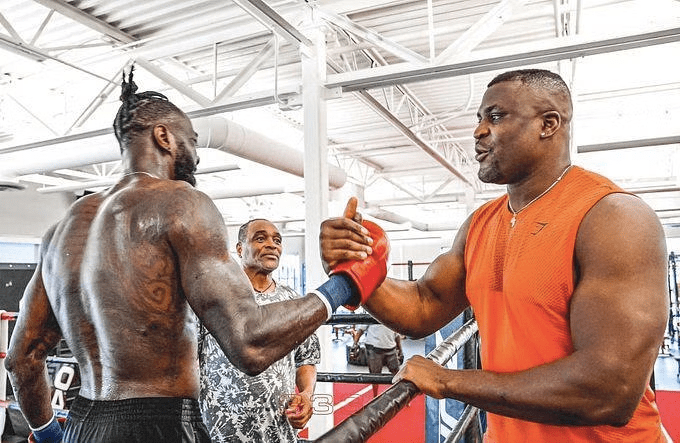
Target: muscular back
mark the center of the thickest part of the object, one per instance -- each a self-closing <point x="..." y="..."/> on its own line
<point x="112" y="279"/>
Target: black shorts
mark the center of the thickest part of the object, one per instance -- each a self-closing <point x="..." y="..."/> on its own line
<point x="143" y="420"/>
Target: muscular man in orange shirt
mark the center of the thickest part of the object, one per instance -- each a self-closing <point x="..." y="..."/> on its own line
<point x="566" y="275"/>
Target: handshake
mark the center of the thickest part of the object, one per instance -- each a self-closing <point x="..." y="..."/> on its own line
<point x="352" y="281"/>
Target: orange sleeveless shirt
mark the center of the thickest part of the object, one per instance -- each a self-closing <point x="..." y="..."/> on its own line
<point x="519" y="282"/>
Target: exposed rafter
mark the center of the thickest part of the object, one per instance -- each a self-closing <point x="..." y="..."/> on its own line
<point x="372" y="37"/>
<point x="86" y="19"/>
<point x="272" y="20"/>
<point x="476" y="33"/>
<point x="174" y="82"/>
<point x="549" y="52"/>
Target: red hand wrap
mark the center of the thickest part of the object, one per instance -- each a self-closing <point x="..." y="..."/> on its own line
<point x="369" y="273"/>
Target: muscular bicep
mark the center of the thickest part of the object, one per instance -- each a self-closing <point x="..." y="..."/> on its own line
<point x="442" y="288"/>
<point x="212" y="281"/>
<point x="619" y="307"/>
<point x="419" y="308"/>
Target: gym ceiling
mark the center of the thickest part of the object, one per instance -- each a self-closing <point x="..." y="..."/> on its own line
<point x="400" y="82"/>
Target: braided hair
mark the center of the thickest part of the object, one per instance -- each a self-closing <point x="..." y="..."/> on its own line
<point x="140" y="111"/>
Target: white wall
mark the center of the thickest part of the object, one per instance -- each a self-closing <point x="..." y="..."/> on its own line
<point x="28" y="214"/>
<point x="420" y="251"/>
<point x="673" y="245"/>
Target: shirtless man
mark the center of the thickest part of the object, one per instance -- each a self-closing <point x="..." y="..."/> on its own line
<point x="118" y="279"/>
<point x="566" y="274"/>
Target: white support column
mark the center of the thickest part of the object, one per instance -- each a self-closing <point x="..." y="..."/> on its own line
<point x="316" y="196"/>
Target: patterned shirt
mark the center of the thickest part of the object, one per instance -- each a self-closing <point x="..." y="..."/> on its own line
<point x="240" y="408"/>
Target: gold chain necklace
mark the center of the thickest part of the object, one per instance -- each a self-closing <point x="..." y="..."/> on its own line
<point x="513" y="220"/>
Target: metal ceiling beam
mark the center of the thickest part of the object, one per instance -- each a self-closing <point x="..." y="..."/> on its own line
<point x="29" y="112"/>
<point x="479" y="31"/>
<point x="8" y="26"/>
<point x="244" y="74"/>
<point x="405" y="73"/>
<point x="659" y="141"/>
<point x="372" y="37"/>
<point x="36" y="54"/>
<point x="180" y="86"/>
<point x="251" y="101"/>
<point x="22" y="49"/>
<point x="97" y="101"/>
<point x="655" y="190"/>
<point x="42" y="27"/>
<point x="85" y="19"/>
<point x="385" y="113"/>
<point x="394" y="121"/>
<point x="272" y="20"/>
<point x="400" y="172"/>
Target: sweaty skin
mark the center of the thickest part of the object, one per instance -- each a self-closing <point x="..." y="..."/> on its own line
<point x="619" y="307"/>
<point x="119" y="276"/>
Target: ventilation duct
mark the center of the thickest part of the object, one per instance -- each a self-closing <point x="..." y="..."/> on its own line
<point x="225" y="135"/>
<point x="100" y="147"/>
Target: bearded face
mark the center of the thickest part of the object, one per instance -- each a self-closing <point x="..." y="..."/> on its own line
<point x="185" y="164"/>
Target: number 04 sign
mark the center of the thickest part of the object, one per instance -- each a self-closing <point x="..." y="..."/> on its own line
<point x="62" y="382"/>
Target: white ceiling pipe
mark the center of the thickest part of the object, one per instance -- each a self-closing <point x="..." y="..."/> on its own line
<point x="220" y="133"/>
<point x="98" y="149"/>
<point x="225" y="193"/>
<point x="214" y="132"/>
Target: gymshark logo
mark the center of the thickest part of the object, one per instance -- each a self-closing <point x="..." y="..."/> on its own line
<point x="538" y="228"/>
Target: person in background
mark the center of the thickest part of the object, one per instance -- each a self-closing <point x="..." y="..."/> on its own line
<point x="264" y="408"/>
<point x="383" y="347"/>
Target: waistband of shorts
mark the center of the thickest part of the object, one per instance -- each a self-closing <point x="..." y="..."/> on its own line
<point x="383" y="350"/>
<point x="132" y="409"/>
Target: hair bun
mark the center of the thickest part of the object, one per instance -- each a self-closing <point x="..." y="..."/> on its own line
<point x="129" y="88"/>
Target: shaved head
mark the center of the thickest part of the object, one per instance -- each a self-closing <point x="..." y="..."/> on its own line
<point x="551" y="90"/>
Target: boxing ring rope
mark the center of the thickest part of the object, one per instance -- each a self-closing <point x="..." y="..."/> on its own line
<point x="352" y="319"/>
<point x="470" y="413"/>
<point x="354" y="377"/>
<point x="358" y="427"/>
